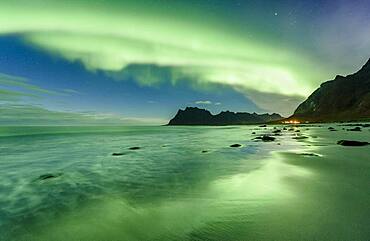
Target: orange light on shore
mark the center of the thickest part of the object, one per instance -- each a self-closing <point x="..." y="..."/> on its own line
<point x="291" y="122"/>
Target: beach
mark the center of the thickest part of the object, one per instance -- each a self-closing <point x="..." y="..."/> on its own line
<point x="184" y="183"/>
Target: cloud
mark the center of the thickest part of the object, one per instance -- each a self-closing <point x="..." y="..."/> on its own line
<point x="71" y="91"/>
<point x="13" y="96"/>
<point x="284" y="105"/>
<point x="103" y="38"/>
<point x="18" y="114"/>
<point x="20" y="82"/>
<point x="203" y="102"/>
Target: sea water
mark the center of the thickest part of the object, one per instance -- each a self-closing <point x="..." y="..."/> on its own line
<point x="183" y="183"/>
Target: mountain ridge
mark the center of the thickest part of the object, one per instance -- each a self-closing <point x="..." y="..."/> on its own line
<point x="345" y="98"/>
<point x="197" y="116"/>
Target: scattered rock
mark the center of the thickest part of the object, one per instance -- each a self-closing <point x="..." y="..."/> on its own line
<point x="49" y="176"/>
<point x="284" y="128"/>
<point x="118" y="153"/>
<point x="263" y="125"/>
<point x="355" y="129"/>
<point x="265" y="138"/>
<point x="332" y="129"/>
<point x="291" y="129"/>
<point x="276" y="131"/>
<point x="253" y="133"/>
<point x="352" y="143"/>
<point x="309" y="154"/>
<point x="300" y="137"/>
<point x="135" y="148"/>
<point x="235" y="145"/>
<point x="297" y="131"/>
<point x="361" y="125"/>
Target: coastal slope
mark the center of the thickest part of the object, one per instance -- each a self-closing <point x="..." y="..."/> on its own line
<point x="197" y="116"/>
<point x="342" y="99"/>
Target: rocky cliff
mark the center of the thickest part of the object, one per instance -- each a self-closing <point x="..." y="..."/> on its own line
<point x="342" y="99"/>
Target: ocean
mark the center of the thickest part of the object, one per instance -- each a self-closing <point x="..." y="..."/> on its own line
<point x="183" y="183"/>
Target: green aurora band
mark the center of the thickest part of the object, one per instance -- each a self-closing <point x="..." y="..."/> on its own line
<point x="111" y="36"/>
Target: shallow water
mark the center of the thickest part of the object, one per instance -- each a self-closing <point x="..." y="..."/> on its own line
<point x="170" y="189"/>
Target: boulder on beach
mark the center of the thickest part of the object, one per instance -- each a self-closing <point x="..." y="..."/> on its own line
<point x="352" y="143"/>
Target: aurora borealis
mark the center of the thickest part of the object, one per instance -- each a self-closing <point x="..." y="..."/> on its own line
<point x="145" y="59"/>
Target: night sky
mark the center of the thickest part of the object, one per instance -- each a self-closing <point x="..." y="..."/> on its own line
<point x="139" y="61"/>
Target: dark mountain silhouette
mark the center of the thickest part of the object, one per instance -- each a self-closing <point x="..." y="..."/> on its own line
<point x="342" y="99"/>
<point x="196" y="116"/>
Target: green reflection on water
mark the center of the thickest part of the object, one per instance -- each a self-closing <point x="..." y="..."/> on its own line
<point x="170" y="190"/>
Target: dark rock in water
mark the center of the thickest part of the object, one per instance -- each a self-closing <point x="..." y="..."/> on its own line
<point x="309" y="154"/>
<point x="352" y="143"/>
<point x="204" y="151"/>
<point x="277" y="131"/>
<point x="342" y="99"/>
<point x="297" y="131"/>
<point x="263" y="125"/>
<point x="196" y="116"/>
<point x="235" y="145"/>
<point x="355" y="129"/>
<point x="253" y="133"/>
<point x="266" y="138"/>
<point x="118" y="153"/>
<point x="331" y="128"/>
<point x="135" y="148"/>
<point x="291" y="129"/>
<point x="300" y="137"/>
<point x="49" y="176"/>
<point x="361" y="125"/>
<point x="284" y="128"/>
